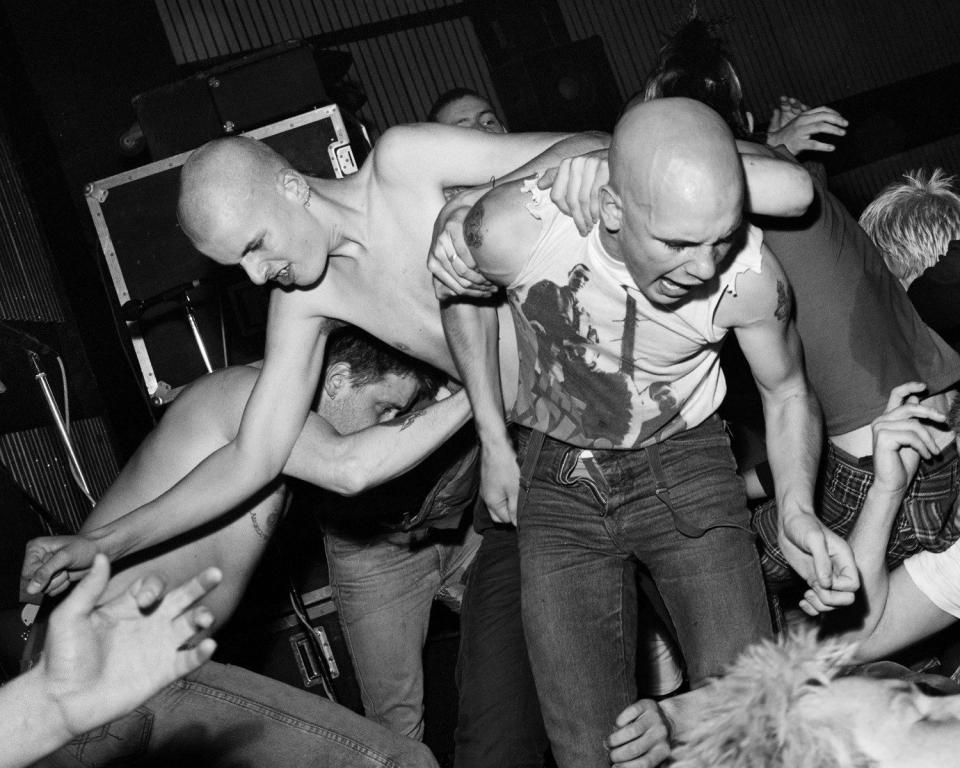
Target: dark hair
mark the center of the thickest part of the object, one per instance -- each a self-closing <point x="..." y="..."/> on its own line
<point x="694" y="63"/>
<point x="370" y="360"/>
<point x="448" y="97"/>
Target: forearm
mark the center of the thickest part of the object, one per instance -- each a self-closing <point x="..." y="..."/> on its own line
<point x="569" y="146"/>
<point x="794" y="435"/>
<point x="868" y="540"/>
<point x="472" y="332"/>
<point x="222" y="481"/>
<point x="351" y="464"/>
<point x="31" y="723"/>
<point x="775" y="186"/>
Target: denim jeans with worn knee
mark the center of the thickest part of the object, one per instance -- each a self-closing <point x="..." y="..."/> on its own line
<point x="384" y="587"/>
<point x="228" y="716"/>
<point x="588" y="522"/>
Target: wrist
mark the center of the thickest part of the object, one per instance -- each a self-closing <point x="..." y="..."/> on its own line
<point x="110" y="541"/>
<point x="36" y="696"/>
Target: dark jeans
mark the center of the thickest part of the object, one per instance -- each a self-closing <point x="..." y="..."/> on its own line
<point x="588" y="523"/>
<point x="499" y="721"/>
<point x="228" y="716"/>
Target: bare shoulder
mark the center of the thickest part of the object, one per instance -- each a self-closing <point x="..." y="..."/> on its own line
<point x="760" y="297"/>
<point x="502" y="228"/>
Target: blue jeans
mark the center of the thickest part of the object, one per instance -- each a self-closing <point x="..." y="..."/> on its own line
<point x="588" y="523"/>
<point x="228" y="716"/>
<point x="384" y="586"/>
<point x="499" y="722"/>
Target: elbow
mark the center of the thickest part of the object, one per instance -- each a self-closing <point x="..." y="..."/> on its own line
<point x="804" y="192"/>
<point x="351" y="479"/>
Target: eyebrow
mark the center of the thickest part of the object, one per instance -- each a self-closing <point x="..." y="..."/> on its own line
<point x="725" y="239"/>
<point x="252" y="244"/>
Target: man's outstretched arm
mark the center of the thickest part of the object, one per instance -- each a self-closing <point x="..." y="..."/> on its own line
<point x="760" y="315"/>
<point x="895" y="612"/>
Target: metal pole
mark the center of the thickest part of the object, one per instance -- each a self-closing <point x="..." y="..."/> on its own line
<point x="41" y="378"/>
<point x="192" y="320"/>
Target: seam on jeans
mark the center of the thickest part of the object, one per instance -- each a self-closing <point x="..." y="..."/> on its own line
<point x="282" y="717"/>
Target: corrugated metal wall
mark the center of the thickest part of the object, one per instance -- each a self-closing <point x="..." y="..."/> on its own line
<point x="37" y="462"/>
<point x="26" y="282"/>
<point x="401" y="72"/>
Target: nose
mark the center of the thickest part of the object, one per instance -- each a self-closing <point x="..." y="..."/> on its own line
<point x="255" y="270"/>
<point x="703" y="265"/>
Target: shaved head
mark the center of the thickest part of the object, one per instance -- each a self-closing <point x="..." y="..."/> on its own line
<point x="675" y="149"/>
<point x="674" y="205"/>
<point x="224" y="175"/>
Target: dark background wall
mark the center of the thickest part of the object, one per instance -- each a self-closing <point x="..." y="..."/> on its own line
<point x="70" y="68"/>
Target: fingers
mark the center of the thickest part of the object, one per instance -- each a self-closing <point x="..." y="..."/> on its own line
<point x="147" y="591"/>
<point x="812" y="605"/>
<point x="575" y="189"/>
<point x="641" y="737"/>
<point x="902" y="391"/>
<point x="83" y="599"/>
<point x="51" y="575"/>
<point x="454" y="268"/>
<point x="179" y="599"/>
<point x="191" y="658"/>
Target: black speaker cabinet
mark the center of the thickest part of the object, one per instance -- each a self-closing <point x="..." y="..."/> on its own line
<point x="250" y="92"/>
<point x="566" y="88"/>
<point x="158" y="276"/>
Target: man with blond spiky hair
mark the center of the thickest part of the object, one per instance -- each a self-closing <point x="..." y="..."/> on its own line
<point x="913" y="221"/>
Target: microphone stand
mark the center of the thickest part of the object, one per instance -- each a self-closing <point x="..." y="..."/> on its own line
<point x="77" y="471"/>
<point x="190" y="312"/>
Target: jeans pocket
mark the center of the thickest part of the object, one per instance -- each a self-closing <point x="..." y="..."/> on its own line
<point x="116" y="742"/>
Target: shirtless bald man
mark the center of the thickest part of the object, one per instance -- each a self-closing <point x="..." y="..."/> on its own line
<point x="625" y="463"/>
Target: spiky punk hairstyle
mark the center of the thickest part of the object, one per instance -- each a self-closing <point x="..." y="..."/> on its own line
<point x="754" y="718"/>
<point x="913" y="221"/>
<point x="695" y="63"/>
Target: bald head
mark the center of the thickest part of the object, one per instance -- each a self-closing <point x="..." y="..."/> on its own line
<point x="674" y="204"/>
<point x="224" y="175"/>
<point x="676" y="149"/>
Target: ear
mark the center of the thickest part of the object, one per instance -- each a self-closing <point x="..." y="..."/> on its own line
<point x="337" y="379"/>
<point x="293" y="185"/>
<point x="611" y="209"/>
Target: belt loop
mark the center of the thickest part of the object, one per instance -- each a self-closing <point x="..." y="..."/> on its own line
<point x="662" y="492"/>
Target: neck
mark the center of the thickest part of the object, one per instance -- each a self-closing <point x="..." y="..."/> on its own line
<point x="342" y="205"/>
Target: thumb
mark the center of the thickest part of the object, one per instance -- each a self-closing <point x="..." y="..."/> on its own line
<point x="547" y="179"/>
<point x="84" y="596"/>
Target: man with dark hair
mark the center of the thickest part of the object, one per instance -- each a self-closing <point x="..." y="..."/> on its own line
<point x="351" y="443"/>
<point x="465" y="108"/>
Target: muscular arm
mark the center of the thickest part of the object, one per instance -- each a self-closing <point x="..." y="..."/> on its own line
<point x="500" y="234"/>
<point x="760" y="315"/>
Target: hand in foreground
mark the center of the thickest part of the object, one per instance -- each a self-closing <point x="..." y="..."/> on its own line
<point x="821" y="557"/>
<point x="100" y="663"/>
<point x="458" y="226"/>
<point x="793" y="125"/>
<point x="500" y="482"/>
<point x="641" y="738"/>
<point x="575" y="187"/>
<point x="51" y="563"/>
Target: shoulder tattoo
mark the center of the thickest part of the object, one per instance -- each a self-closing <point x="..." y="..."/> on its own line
<point x="473" y="227"/>
<point x="782" y="312"/>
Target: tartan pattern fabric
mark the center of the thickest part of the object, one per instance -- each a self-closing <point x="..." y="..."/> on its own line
<point x="928" y="518"/>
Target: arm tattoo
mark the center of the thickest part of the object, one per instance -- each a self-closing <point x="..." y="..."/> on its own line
<point x="410" y="419"/>
<point x="264" y="531"/>
<point x="472" y="227"/>
<point x="782" y="312"/>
